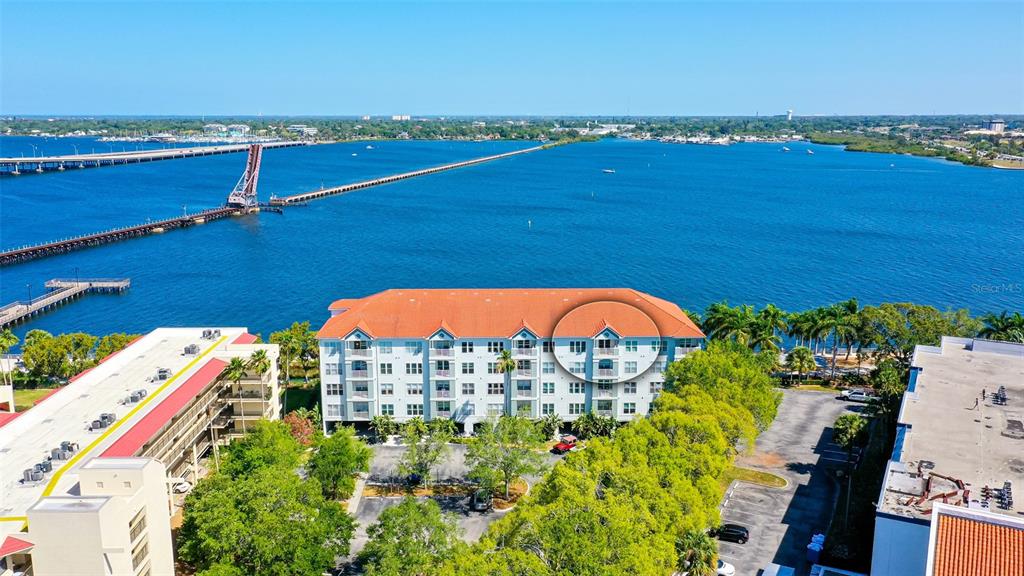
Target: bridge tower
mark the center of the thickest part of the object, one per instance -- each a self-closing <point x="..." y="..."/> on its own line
<point x="244" y="193"/>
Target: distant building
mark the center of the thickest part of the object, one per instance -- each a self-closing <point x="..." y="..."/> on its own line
<point x="303" y="130"/>
<point x="479" y="124"/>
<point x="238" y="129"/>
<point x="365" y="118"/>
<point x="401" y="117"/>
<point x="959" y="441"/>
<point x="214" y="128"/>
<point x="789" y="115"/>
<point x="433" y="353"/>
<point x="996" y="125"/>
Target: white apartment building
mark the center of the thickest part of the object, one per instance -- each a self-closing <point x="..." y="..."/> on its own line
<point x="434" y="353"/>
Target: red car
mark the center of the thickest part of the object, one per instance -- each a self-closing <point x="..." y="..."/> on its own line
<point x="566" y="445"/>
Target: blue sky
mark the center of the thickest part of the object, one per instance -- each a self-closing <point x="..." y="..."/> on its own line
<point x="545" y="58"/>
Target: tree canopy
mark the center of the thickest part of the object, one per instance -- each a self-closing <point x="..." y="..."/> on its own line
<point x="410" y="539"/>
<point x="337" y="459"/>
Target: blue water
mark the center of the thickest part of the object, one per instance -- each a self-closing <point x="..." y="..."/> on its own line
<point x="693" y="224"/>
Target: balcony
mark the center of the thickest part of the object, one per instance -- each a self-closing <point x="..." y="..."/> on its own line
<point x="358" y="373"/>
<point x="357" y="414"/>
<point x="605" y="412"/>
<point x="527" y="393"/>
<point x="442" y="372"/>
<point x="443" y="413"/>
<point x="613" y="351"/>
<point x="604" y="393"/>
<point x="684" y="350"/>
<point x="531" y="351"/>
<point x="445" y="352"/>
<point x="446" y="393"/>
<point x="527" y="372"/>
<point x="360" y="352"/>
<point x="356" y="393"/>
<point x="606" y="371"/>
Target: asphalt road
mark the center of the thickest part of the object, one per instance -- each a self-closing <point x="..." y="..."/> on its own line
<point x="798" y="447"/>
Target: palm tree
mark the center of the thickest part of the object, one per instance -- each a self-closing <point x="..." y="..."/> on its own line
<point x="7" y="341"/>
<point x="1003" y="326"/>
<point x="259" y="363"/>
<point x="235" y="371"/>
<point x="698" y="554"/>
<point x="836" y="321"/>
<point x="506" y="366"/>
<point x="723" y="322"/>
<point x="801" y="360"/>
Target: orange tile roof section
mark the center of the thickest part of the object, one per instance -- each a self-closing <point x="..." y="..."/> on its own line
<point x="476" y="313"/>
<point x="966" y="547"/>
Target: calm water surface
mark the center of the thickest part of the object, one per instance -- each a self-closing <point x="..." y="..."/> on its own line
<point x="693" y="224"/>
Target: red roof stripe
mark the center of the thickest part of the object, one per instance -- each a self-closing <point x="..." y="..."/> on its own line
<point x="245" y="338"/>
<point x="14" y="545"/>
<point x="143" y="431"/>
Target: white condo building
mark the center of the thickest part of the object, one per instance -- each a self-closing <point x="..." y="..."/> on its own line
<point x="434" y="353"/>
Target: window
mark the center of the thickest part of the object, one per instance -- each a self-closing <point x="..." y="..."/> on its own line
<point x="470" y="408"/>
<point x="548" y="367"/>
<point x="576" y="388"/>
<point x="387" y="409"/>
<point x="659" y="345"/>
<point x="334" y="388"/>
<point x="549" y="346"/>
<point x="412" y="347"/>
<point x="631" y="345"/>
<point x="384" y="347"/>
<point x="492" y="368"/>
<point x="659" y="367"/>
<point x="467" y="347"/>
<point x="331" y="369"/>
<point x="606" y="344"/>
<point x="524" y="346"/>
<point x="495" y="346"/>
<point x="468" y="388"/>
<point x="468" y="367"/>
<point x="414" y="409"/>
<point x="444" y="407"/>
<point x="495" y="409"/>
<point x="656" y="387"/>
<point x="99" y="484"/>
<point x="387" y="389"/>
<point x="495" y="388"/>
<point x="549" y="387"/>
<point x="385" y="368"/>
<point x="629" y="407"/>
<point x="359" y="345"/>
<point x="524" y="386"/>
<point x="577" y="346"/>
<point x="578" y="368"/>
<point x="547" y="409"/>
<point x="629" y="388"/>
<point x="443" y="386"/>
<point x="330" y="348"/>
<point x="605" y="365"/>
<point x="630" y="367"/>
<point x="361" y="388"/>
<point x="576" y="408"/>
<point x="442" y="365"/>
<point x="334" y="411"/>
<point x="415" y="389"/>
<point x="414" y="368"/>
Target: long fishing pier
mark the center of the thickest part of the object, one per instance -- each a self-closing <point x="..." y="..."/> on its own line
<point x="40" y="164"/>
<point x="59" y="291"/>
<point x="86" y="240"/>
<point x="345" y="189"/>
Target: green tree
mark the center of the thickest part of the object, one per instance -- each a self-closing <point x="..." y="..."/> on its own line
<point x="234" y="372"/>
<point x="46" y="357"/>
<point x="896" y="328"/>
<point x="268" y="444"/>
<point x="698" y="554"/>
<point x="265" y="523"/>
<point x="112" y="343"/>
<point x="504" y="450"/>
<point x="79" y="347"/>
<point x="424" y="449"/>
<point x="800" y="360"/>
<point x="506" y="366"/>
<point x="259" y="364"/>
<point x="7" y="341"/>
<point x="339" y="457"/>
<point x="383" y="426"/>
<point x="548" y="425"/>
<point x="410" y="539"/>
<point x="848" y="430"/>
<point x="1003" y="327"/>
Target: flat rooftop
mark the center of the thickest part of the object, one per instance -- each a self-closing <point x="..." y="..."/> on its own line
<point x="954" y="442"/>
<point x="66" y="414"/>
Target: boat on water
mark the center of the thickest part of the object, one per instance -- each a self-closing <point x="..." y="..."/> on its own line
<point x="811" y="152"/>
<point x="608" y="171"/>
<point x="354" y="154"/>
<point x="368" y="147"/>
<point x="785" y="148"/>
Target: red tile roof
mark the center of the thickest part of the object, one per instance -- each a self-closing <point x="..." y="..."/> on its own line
<point x="244" y="338"/>
<point x="968" y="547"/>
<point x="476" y="313"/>
<point x="12" y="545"/>
<point x="144" y="430"/>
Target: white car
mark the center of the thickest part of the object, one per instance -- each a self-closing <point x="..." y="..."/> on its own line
<point x="725" y="569"/>
<point x="857" y="396"/>
<point x="182" y="487"/>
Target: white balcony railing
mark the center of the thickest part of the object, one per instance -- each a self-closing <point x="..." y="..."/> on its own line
<point x="361" y="352"/>
<point x="607" y="371"/>
<point x="527" y="393"/>
<point x="613" y="351"/>
<point x="600" y="393"/>
<point x="446" y="352"/>
<point x="360" y="414"/>
<point x="529" y="372"/>
<point x="443" y="393"/>
<point x="446" y="372"/>
<point x="359" y="373"/>
<point x="531" y="351"/>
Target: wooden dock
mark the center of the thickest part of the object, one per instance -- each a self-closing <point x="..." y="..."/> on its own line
<point x="345" y="189"/>
<point x="59" y="291"/>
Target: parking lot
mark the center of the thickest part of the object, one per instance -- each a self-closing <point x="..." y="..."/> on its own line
<point x="797" y="447"/>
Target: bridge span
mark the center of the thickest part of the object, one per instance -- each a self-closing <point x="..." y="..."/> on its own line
<point x="40" y="164"/>
<point x="59" y="291"/>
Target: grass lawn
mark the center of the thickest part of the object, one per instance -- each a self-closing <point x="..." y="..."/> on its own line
<point x="752" y="476"/>
<point x="27" y="398"/>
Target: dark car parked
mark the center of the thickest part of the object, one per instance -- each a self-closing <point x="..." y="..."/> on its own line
<point x="482" y="500"/>
<point x="732" y="533"/>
